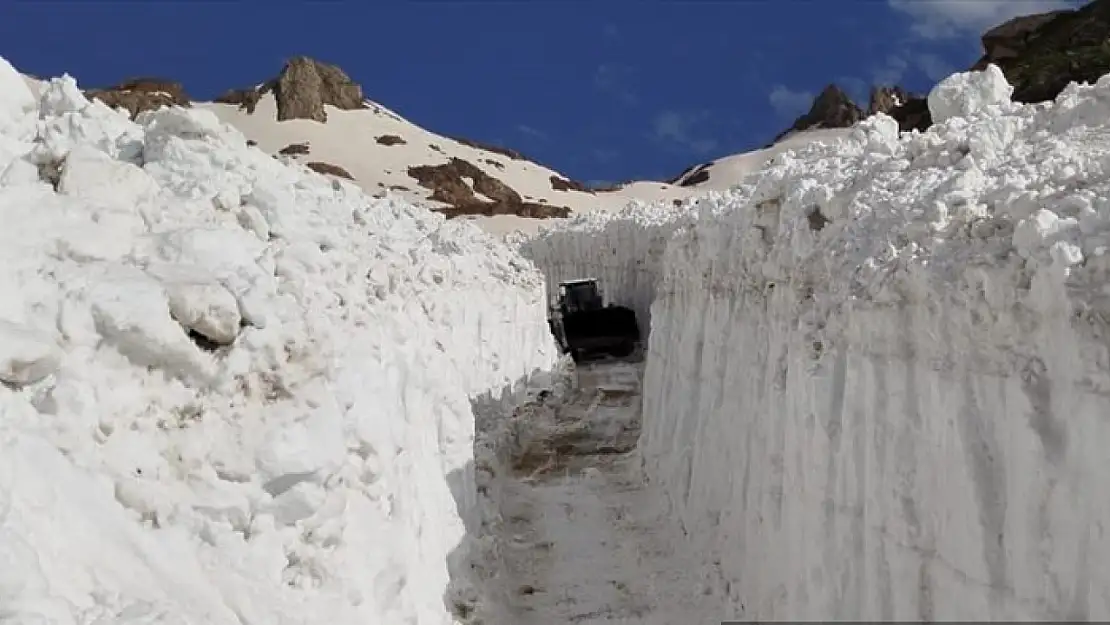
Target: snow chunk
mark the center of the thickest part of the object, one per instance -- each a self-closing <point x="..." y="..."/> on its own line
<point x="26" y="355"/>
<point x="17" y="105"/>
<point x="16" y="100"/>
<point x="966" y="93"/>
<point x="181" y="122"/>
<point x="131" y="311"/>
<point x="99" y="178"/>
<point x="62" y="96"/>
<point x="201" y="304"/>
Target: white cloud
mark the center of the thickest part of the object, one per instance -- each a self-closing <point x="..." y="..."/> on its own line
<point x="788" y="102"/>
<point x="678" y="128"/>
<point x="939" y="19"/>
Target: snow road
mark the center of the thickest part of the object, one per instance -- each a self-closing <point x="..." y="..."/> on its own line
<point x="583" y="539"/>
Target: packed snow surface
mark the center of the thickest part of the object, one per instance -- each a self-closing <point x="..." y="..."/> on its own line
<point x="878" y="376"/>
<point x="232" y="390"/>
<point x="573" y="535"/>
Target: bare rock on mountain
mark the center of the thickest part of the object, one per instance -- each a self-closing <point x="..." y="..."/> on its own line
<point x="247" y="99"/>
<point x="1009" y="39"/>
<point x="301" y="90"/>
<point x="459" y="183"/>
<point x="565" y="184"/>
<point x="886" y="99"/>
<point x="692" y="175"/>
<point x="305" y="86"/>
<point x="142" y="94"/>
<point x="295" y="149"/>
<point x="388" y="140"/>
<point x="329" y="169"/>
<point x="832" y="108"/>
<point x="911" y="111"/>
<point x="1040" y="54"/>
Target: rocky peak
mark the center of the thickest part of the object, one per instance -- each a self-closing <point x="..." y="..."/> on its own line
<point x="911" y="111"/>
<point x="885" y="99"/>
<point x="142" y="94"/>
<point x="832" y="108"/>
<point x="301" y="90"/>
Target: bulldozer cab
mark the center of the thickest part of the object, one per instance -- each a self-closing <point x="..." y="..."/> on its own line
<point x="579" y="296"/>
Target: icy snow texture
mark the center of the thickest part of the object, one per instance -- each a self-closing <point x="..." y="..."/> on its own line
<point x="233" y="389"/>
<point x="878" y="382"/>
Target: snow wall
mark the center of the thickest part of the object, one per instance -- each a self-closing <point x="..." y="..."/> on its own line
<point x="878" y="377"/>
<point x="232" y="389"/>
<point x="622" y="250"/>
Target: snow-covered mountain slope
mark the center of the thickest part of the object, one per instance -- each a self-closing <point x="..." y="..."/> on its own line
<point x="726" y="172"/>
<point x="380" y="149"/>
<point x="342" y="133"/>
<point x="877" y="379"/>
<point x="231" y="390"/>
<point x="327" y="124"/>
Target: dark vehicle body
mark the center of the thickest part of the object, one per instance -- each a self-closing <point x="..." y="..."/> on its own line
<point x="586" y="328"/>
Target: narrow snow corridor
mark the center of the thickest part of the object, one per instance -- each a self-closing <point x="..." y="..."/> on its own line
<point x="582" y="538"/>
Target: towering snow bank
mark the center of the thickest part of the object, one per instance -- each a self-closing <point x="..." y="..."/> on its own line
<point x="232" y="390"/>
<point x="880" y="376"/>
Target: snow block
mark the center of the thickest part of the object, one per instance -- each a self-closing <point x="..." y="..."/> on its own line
<point x="26" y="355"/>
<point x="966" y="93"/>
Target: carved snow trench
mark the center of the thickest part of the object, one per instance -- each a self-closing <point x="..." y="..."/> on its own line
<point x="583" y="538"/>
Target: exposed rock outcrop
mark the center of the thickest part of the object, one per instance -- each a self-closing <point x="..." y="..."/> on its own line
<point x="328" y="168"/>
<point x="142" y="94"/>
<point x="459" y="183"/>
<point x="692" y="175"/>
<point x="247" y="99"/>
<point x="565" y="184"/>
<point x="1040" y="54"/>
<point x="301" y="90"/>
<point x="832" y="108"/>
<point x="294" y="149"/>
<point x="304" y="86"/>
<point x="910" y="110"/>
<point x="388" y="140"/>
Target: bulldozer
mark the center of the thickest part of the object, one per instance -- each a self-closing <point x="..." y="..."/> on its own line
<point x="588" y="329"/>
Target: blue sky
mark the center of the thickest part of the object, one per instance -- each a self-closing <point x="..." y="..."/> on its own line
<point x="600" y="90"/>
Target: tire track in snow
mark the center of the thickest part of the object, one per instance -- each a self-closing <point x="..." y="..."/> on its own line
<point x="584" y="540"/>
